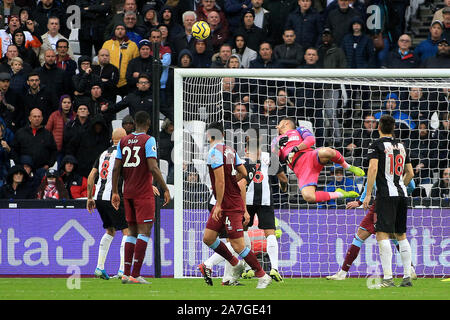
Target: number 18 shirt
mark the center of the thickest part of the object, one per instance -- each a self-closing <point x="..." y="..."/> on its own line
<point x="134" y="150"/>
<point x="392" y="157"/>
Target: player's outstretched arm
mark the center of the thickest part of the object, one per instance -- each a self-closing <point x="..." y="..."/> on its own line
<point x="90" y="205"/>
<point x="115" y="198"/>
<point x="156" y="173"/>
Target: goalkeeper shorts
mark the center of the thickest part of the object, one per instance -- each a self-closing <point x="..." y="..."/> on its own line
<point x="307" y="169"/>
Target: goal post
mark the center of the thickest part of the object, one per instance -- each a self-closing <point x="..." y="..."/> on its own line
<point x="332" y="102"/>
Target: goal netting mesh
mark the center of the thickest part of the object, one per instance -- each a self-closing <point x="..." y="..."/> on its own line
<point x="342" y="113"/>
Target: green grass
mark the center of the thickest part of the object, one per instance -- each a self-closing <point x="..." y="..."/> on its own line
<point x="196" y="289"/>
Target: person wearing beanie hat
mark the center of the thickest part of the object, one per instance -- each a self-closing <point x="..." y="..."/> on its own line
<point x="122" y="50"/>
<point x="83" y="80"/>
<point x="253" y="34"/>
<point x="140" y="64"/>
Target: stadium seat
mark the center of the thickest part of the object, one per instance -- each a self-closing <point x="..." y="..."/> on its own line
<point x="427" y="187"/>
<point x="200" y="166"/>
<point x="197" y="130"/>
<point x="116" y="124"/>
<point x="164" y="167"/>
<point x="307" y="124"/>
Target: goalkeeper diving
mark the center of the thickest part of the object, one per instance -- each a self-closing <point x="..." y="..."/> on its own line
<point x="294" y="147"/>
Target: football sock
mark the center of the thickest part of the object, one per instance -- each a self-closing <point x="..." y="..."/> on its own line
<point x="352" y="253"/>
<point x="272" y="250"/>
<point x="216" y="258"/>
<point x="122" y="253"/>
<point x="248" y="244"/>
<point x="139" y="254"/>
<point x="252" y="261"/>
<point x="219" y="247"/>
<point x="339" y="159"/>
<point x="103" y="249"/>
<point x="405" y="254"/>
<point x="386" y="257"/>
<point x="130" y="243"/>
<point x="322" y="196"/>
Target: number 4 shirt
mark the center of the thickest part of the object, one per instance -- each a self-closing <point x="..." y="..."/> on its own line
<point x="134" y="150"/>
<point x="392" y="158"/>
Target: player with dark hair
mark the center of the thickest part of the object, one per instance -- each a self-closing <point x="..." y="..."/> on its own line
<point x="136" y="161"/>
<point x="391" y="169"/>
<point x="295" y="148"/>
<point x="225" y="170"/>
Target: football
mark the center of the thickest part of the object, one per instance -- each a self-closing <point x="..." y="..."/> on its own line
<point x="201" y="30"/>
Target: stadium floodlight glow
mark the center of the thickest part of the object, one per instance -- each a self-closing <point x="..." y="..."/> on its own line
<point x="333" y="102"/>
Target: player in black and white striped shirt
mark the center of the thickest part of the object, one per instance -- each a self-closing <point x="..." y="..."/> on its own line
<point x="388" y="161"/>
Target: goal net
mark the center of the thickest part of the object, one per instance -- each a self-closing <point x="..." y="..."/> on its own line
<point x="341" y="108"/>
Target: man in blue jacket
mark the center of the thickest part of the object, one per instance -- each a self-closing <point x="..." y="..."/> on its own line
<point x="307" y="24"/>
<point x="429" y="47"/>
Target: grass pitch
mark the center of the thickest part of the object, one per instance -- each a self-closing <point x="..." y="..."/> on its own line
<point x="196" y="289"/>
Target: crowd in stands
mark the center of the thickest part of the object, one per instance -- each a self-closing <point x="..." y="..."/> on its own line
<point x="58" y="107"/>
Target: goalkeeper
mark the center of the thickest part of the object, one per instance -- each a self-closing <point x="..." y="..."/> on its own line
<point x="365" y="230"/>
<point x="295" y="149"/>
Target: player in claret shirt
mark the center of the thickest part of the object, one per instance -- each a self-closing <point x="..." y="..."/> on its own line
<point x="294" y="146"/>
<point x="136" y="161"/>
<point x="225" y="170"/>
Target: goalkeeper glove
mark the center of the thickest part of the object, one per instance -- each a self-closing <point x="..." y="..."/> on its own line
<point x="283" y="141"/>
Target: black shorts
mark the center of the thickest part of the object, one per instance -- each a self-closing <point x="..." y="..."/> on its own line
<point x="110" y="217"/>
<point x="391" y="214"/>
<point x="266" y="216"/>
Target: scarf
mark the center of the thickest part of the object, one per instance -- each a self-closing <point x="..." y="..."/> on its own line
<point x="51" y="192"/>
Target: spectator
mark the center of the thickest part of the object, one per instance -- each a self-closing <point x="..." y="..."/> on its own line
<point x="403" y="56"/>
<point x="240" y="118"/>
<point x="233" y="10"/>
<point x="122" y="50"/>
<point x="51" y="37"/>
<point x="11" y="104"/>
<point x="185" y="59"/>
<point x="404" y="123"/>
<point x="443" y="136"/>
<point x="358" y="47"/>
<point x="423" y="153"/>
<point x="85" y="78"/>
<point x="306" y="23"/>
<point x="330" y="55"/>
<point x="429" y="47"/>
<point x="279" y="10"/>
<point x="98" y="103"/>
<point x="263" y="18"/>
<point x="340" y="20"/>
<point x="6" y="139"/>
<point x="339" y="181"/>
<point x="7" y="9"/>
<point x="108" y="73"/>
<point x="129" y="5"/>
<point x="140" y="64"/>
<point x="56" y="123"/>
<point x="165" y="42"/>
<point x="285" y="106"/>
<point x="166" y="145"/>
<point x="184" y="40"/>
<point x="24" y="48"/>
<point x="52" y="77"/>
<point x="32" y="181"/>
<point x="290" y="53"/>
<point x="89" y="144"/>
<point x="75" y="184"/>
<point x="446" y="23"/>
<point x="206" y="7"/>
<point x="219" y="33"/>
<point x="234" y="62"/>
<point x="6" y="35"/>
<point x="77" y="126"/>
<point x="138" y="100"/>
<point x="150" y="15"/>
<point x="192" y="181"/>
<point x="128" y="124"/>
<point x="18" y="76"/>
<point x="46" y="9"/>
<point x="254" y="35"/>
<point x="439" y="14"/>
<point x="441" y="188"/>
<point x="265" y="57"/>
<point x="39" y="96"/>
<point x="358" y="144"/>
<point x="266" y="116"/>
<point x="52" y="187"/>
<point x="16" y="186"/>
<point x="134" y="32"/>
<point x="311" y="57"/>
<point x="201" y="57"/>
<point x="219" y="60"/>
<point x="168" y="19"/>
<point x="94" y="18"/>
<point x="442" y="57"/>
<point x="36" y="141"/>
<point x="245" y="53"/>
<point x="11" y="53"/>
<point x="63" y="59"/>
<point x="417" y="105"/>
